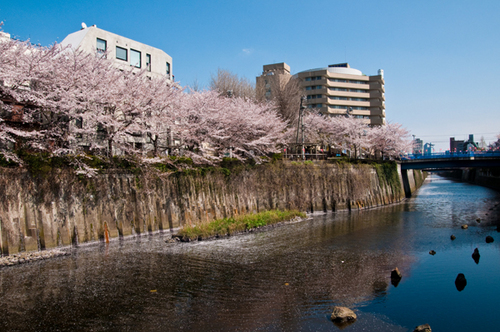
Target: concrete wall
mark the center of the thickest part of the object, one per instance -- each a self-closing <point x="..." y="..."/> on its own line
<point x="58" y="208"/>
<point x="486" y="177"/>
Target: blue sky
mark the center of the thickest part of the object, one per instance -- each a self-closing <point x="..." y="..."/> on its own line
<point x="440" y="58"/>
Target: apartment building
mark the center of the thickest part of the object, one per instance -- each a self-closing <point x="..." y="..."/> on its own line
<point x="124" y="52"/>
<point x="278" y="73"/>
<point x="336" y="90"/>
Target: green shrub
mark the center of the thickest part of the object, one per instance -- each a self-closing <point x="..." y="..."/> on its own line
<point x="7" y="163"/>
<point x="229" y="162"/>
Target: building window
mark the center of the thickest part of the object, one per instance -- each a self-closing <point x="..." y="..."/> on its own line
<point x="148" y="62"/>
<point x="337" y="80"/>
<point x="168" y="69"/>
<point x="101" y="47"/>
<point x="121" y="53"/>
<point x="135" y="58"/>
<point x="358" y="82"/>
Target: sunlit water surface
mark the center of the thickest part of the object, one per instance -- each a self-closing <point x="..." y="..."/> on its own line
<point x="285" y="279"/>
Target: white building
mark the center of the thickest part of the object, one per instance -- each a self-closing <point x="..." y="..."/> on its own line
<point x="124" y="51"/>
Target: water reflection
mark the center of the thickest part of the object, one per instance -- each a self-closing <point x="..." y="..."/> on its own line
<point x="285" y="279"/>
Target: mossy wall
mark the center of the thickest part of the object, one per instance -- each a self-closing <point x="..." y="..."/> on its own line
<point x="58" y="208"/>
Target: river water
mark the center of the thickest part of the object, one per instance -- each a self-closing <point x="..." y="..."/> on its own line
<point x="288" y="278"/>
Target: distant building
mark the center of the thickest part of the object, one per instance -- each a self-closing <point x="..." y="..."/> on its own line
<point x="462" y="146"/>
<point x="418" y="146"/>
<point x="271" y="74"/>
<point x="428" y="148"/>
<point x="123" y="51"/>
<point x="336" y="90"/>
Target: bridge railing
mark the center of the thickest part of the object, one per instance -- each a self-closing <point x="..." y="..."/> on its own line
<point x="453" y="155"/>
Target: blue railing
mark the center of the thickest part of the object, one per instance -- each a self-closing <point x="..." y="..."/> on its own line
<point x="453" y="155"/>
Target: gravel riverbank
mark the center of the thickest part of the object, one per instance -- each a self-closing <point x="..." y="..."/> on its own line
<point x="27" y="257"/>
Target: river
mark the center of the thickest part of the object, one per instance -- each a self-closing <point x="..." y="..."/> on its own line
<point x="287" y="278"/>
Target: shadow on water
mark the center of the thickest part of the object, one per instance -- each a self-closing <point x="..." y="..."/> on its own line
<point x="285" y="279"/>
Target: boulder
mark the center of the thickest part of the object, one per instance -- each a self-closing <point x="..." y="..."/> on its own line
<point x="478" y="219"/>
<point x="395" y="274"/>
<point x="489" y="239"/>
<point x="453" y="237"/>
<point x="432" y="252"/>
<point x="395" y="277"/>
<point x="476" y="256"/>
<point x="460" y="282"/>
<point x="423" y="328"/>
<point x="465" y="226"/>
<point x="343" y="315"/>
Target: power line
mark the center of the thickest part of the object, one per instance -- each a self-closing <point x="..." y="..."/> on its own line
<point x="451" y="135"/>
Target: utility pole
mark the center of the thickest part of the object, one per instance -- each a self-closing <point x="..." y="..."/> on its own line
<point x="300" y="127"/>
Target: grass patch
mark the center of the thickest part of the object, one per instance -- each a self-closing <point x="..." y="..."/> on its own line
<point x="228" y="226"/>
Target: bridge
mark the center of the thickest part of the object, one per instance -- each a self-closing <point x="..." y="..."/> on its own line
<point x="446" y="161"/>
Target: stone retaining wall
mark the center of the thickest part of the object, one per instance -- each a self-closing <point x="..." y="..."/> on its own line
<point x="38" y="212"/>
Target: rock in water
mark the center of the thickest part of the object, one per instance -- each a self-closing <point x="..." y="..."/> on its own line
<point x="395" y="274"/>
<point x="489" y="239"/>
<point x="432" y="252"/>
<point x="423" y="328"/>
<point x="343" y="315"/>
<point x="396" y="277"/>
<point x="465" y="226"/>
<point x="476" y="256"/>
<point x="460" y="282"/>
<point x="453" y="237"/>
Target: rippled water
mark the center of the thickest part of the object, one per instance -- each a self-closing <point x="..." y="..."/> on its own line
<point x="286" y="279"/>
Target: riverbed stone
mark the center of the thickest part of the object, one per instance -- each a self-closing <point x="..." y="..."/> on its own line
<point x="489" y="239"/>
<point x="476" y="254"/>
<point x="343" y="315"/>
<point x="460" y="282"/>
<point x="432" y="252"/>
<point x="465" y="226"/>
<point x="395" y="274"/>
<point x="453" y="237"/>
<point x="423" y="328"/>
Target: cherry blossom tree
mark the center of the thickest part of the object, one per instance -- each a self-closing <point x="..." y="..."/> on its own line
<point x="59" y="100"/>
<point x="229" y="123"/>
<point x="391" y="140"/>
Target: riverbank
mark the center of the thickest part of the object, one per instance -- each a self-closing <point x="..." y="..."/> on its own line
<point x="59" y="208"/>
<point x="28" y="257"/>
